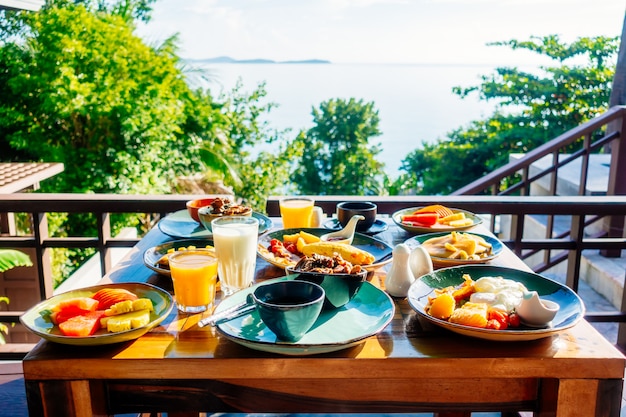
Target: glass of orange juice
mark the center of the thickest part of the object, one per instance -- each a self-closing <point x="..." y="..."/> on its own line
<point x="296" y="212"/>
<point x="194" y="274"/>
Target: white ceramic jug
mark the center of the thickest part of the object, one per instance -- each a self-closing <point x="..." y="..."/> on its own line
<point x="400" y="277"/>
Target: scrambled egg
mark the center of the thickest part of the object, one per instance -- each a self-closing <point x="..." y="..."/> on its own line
<point x="498" y="293"/>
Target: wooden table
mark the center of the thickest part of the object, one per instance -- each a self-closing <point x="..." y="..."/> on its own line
<point x="408" y="367"/>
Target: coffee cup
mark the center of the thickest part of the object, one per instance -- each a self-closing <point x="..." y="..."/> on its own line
<point x="347" y="209"/>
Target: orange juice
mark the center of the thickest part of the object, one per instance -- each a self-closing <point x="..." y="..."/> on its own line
<point x="194" y="274"/>
<point x="296" y="212"/>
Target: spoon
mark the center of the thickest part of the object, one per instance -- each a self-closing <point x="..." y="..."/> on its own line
<point x="344" y="235"/>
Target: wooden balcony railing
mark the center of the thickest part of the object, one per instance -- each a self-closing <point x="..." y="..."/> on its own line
<point x="602" y="135"/>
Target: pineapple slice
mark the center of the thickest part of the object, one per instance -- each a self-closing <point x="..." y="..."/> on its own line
<point x="143" y="304"/>
<point x="124" y="322"/>
<point x="119" y="308"/>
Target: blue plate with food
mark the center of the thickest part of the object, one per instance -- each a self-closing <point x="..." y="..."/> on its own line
<point x="457" y="248"/>
<point x="462" y="298"/>
<point x="180" y="225"/>
<point x="380" y="252"/>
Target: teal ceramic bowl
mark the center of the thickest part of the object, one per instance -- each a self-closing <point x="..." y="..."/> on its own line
<point x="289" y="308"/>
<point x="339" y="288"/>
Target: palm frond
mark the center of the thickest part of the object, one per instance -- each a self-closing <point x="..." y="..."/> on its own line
<point x="10" y="258"/>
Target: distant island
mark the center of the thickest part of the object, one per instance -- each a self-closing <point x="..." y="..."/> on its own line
<point x="229" y="60"/>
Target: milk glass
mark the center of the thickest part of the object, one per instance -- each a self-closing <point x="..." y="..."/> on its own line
<point x="235" y="241"/>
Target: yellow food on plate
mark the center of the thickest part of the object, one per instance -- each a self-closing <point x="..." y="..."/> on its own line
<point x="164" y="261"/>
<point x="458" y="245"/>
<point x="471" y="314"/>
<point x="442" y="307"/>
<point x="127" y="321"/>
<point x="350" y="253"/>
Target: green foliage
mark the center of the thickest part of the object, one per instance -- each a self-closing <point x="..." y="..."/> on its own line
<point x="337" y="157"/>
<point x="78" y="87"/>
<point x="532" y="109"/>
<point x="10" y="258"/>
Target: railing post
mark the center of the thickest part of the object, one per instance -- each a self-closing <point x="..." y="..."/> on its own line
<point x="44" y="255"/>
<point x="104" y="235"/>
<point x="614" y="225"/>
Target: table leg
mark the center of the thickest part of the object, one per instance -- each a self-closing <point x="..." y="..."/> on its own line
<point x="582" y="397"/>
<point x="66" y="398"/>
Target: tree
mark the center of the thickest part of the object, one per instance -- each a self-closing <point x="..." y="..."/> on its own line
<point x="543" y="105"/>
<point x="79" y="87"/>
<point x="337" y="157"/>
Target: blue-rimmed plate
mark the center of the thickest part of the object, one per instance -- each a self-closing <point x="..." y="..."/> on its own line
<point x="441" y="262"/>
<point x="152" y="256"/>
<point x="161" y="300"/>
<point x="413" y="228"/>
<point x="571" y="309"/>
<point x="381" y="251"/>
<point x="180" y="225"/>
<point x="368" y="313"/>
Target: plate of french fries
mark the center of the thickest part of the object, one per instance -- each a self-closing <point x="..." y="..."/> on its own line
<point x="435" y="218"/>
<point x="286" y="247"/>
<point x="457" y="247"/>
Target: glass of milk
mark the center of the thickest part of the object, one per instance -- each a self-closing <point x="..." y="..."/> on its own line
<point x="235" y="242"/>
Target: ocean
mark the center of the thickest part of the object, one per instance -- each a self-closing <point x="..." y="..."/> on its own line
<point x="415" y="102"/>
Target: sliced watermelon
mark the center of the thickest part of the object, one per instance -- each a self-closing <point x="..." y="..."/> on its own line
<point x="69" y="308"/>
<point x="83" y="325"/>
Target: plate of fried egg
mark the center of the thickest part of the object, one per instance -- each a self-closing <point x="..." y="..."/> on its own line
<point x="481" y="300"/>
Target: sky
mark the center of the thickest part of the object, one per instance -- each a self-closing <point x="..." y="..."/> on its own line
<point x="376" y="31"/>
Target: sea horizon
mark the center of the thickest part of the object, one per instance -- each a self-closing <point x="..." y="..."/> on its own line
<point x="415" y="101"/>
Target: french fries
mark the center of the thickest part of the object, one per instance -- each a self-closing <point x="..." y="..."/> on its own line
<point x="457" y="245"/>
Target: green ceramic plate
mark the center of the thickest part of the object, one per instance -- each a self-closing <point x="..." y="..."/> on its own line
<point x="161" y="299"/>
<point x="154" y="254"/>
<point x="571" y="309"/>
<point x="496" y="249"/>
<point x="382" y="252"/>
<point x="180" y="225"/>
<point x="397" y="218"/>
<point x="368" y="313"/>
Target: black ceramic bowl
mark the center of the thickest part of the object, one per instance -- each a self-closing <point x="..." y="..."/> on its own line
<point x="339" y="288"/>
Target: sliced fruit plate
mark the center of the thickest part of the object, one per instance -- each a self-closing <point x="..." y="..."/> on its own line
<point x="156" y="304"/>
<point x="435" y="218"/>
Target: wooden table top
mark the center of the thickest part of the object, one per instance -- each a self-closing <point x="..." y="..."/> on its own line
<point x="407" y="337"/>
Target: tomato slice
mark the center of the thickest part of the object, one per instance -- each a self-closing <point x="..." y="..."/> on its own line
<point x="425" y="219"/>
<point x="83" y="325"/>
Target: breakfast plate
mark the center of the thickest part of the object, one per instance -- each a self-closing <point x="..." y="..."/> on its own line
<point x="161" y="300"/>
<point x="152" y="256"/>
<point x="413" y="228"/>
<point x="441" y="262"/>
<point x="367" y="314"/>
<point x="180" y="225"/>
<point x="382" y="252"/>
<point x="571" y="309"/>
<point x="379" y="226"/>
